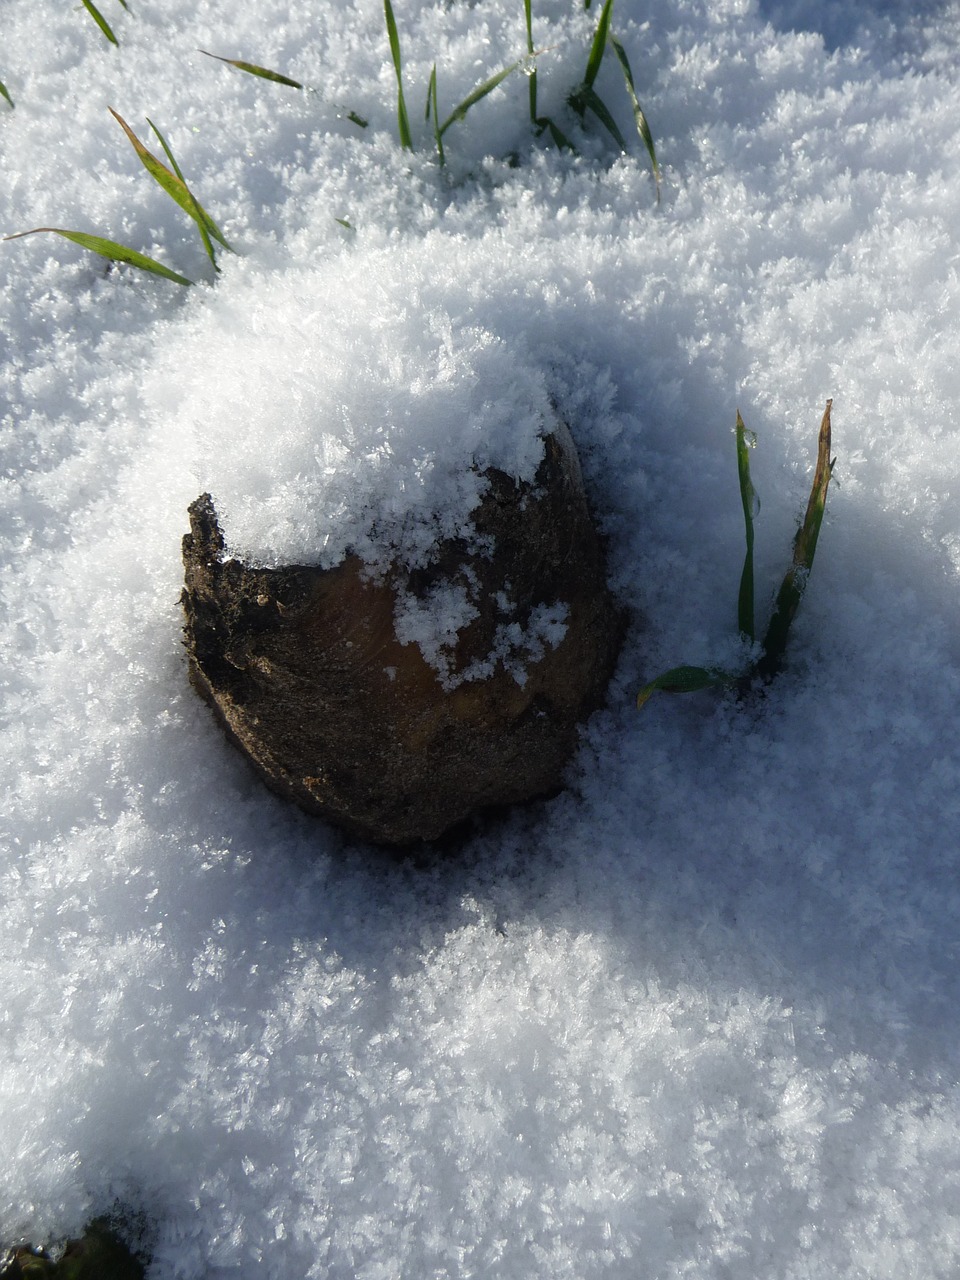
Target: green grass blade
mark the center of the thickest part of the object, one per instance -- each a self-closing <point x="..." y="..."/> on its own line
<point x="205" y="223"/>
<point x="804" y="549"/>
<point x="685" y="680"/>
<point x="432" y="109"/>
<point x="643" y="128"/>
<point x="4" y="93"/>
<point x="109" y="249"/>
<point x="100" y="20"/>
<point x="748" y="497"/>
<point x="589" y="99"/>
<point x="598" y="46"/>
<point x="124" y="5"/>
<point x="403" y="123"/>
<point x="481" y="91"/>
<point x="252" y="69"/>
<point x="560" y="139"/>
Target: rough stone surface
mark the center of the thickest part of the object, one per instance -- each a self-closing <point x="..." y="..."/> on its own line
<point x="305" y="670"/>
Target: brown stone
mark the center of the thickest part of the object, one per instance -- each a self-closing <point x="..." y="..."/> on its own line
<point x="305" y="670"/>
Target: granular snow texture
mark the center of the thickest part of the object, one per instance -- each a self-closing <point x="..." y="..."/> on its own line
<point x="695" y="1017"/>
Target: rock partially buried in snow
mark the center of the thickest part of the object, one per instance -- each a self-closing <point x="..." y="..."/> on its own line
<point x="399" y="704"/>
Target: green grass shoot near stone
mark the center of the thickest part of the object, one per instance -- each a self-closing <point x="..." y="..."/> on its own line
<point x="689" y="679"/>
<point x="108" y="249"/>
<point x="804" y="549"/>
<point x="582" y="99"/>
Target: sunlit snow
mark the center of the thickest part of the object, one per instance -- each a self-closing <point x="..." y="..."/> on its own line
<point x="698" y="1015"/>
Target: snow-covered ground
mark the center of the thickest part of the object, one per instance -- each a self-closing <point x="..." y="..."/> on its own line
<point x="697" y="1016"/>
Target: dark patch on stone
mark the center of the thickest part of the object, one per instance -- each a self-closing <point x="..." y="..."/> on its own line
<point x="101" y="1253"/>
<point x="305" y="671"/>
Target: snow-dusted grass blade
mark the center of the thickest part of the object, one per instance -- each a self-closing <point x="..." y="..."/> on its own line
<point x="804" y="548"/>
<point x="252" y="69"/>
<point x="751" y="507"/>
<point x="403" y="122"/>
<point x="4" y="93"/>
<point x="109" y="249"/>
<point x="174" y="185"/>
<point x="100" y="20"/>
<point x="643" y="128"/>
<point x="585" y="97"/>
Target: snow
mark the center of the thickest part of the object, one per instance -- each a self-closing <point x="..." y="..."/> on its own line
<point x="697" y="1015"/>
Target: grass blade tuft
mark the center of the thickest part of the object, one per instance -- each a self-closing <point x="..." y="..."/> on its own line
<point x="100" y="20"/>
<point x="403" y="122"/>
<point x="804" y="548"/>
<point x="109" y="249"/>
<point x="252" y="69"/>
<point x="4" y="93"/>
<point x="174" y="185"/>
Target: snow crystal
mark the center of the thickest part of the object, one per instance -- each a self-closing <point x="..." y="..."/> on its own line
<point x="696" y="1016"/>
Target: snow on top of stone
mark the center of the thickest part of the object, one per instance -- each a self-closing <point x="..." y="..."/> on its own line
<point x="353" y="406"/>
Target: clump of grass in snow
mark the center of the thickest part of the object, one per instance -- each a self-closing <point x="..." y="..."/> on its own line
<point x="585" y="98"/>
<point x="689" y="679"/>
<point x="582" y="99"/>
<point x="173" y="183"/>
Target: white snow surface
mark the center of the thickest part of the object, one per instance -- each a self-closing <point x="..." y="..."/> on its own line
<point x="698" y="1015"/>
